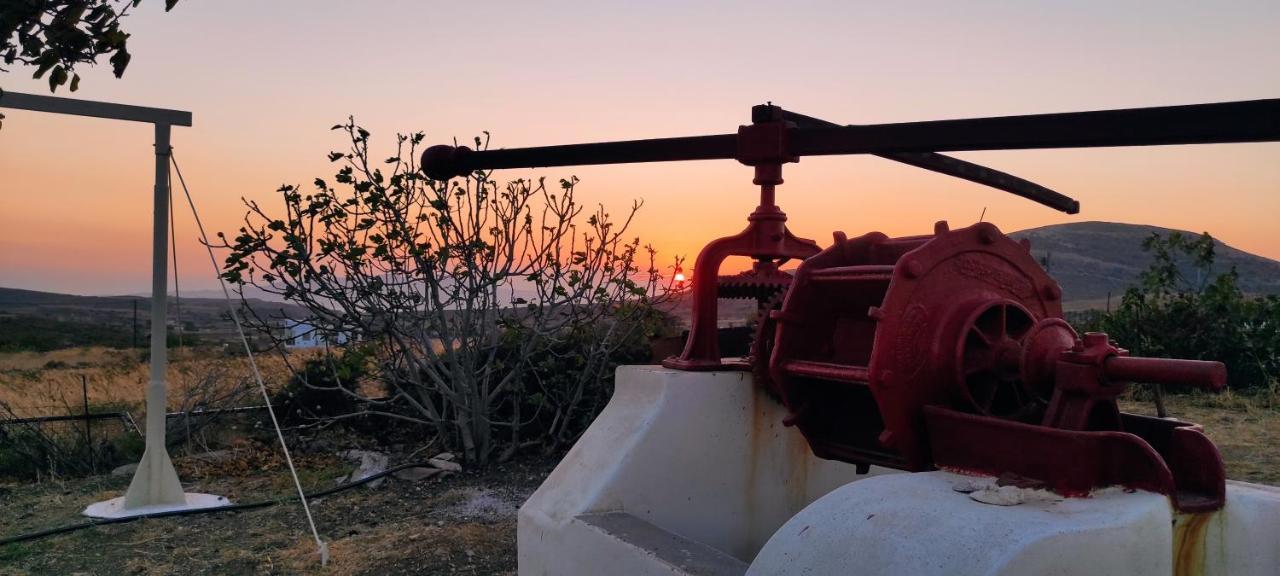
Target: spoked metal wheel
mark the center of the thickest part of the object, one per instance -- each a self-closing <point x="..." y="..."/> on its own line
<point x="989" y="360"/>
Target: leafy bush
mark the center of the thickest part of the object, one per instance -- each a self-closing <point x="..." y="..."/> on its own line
<point x="324" y="388"/>
<point x="567" y="384"/>
<point x="457" y="289"/>
<point x="1182" y="309"/>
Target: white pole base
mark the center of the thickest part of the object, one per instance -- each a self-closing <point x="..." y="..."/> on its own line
<point x="114" y="508"/>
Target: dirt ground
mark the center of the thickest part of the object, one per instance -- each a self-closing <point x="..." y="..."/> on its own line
<point x="461" y="524"/>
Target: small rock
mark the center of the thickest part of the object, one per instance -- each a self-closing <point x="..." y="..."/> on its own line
<point x="1000" y="496"/>
<point x="416" y="473"/>
<point x="371" y="463"/>
<point x="445" y="465"/>
<point x="446" y="456"/>
<point x="1013" y="495"/>
<point x="320" y="445"/>
<point x="969" y="485"/>
<point x="125" y="470"/>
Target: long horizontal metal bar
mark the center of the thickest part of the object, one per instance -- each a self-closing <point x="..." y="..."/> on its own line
<point x="58" y="105"/>
<point x="1250" y="121"/>
<point x="64" y="418"/>
<point x="715" y="147"/>
<point x="1228" y="122"/>
<point x="958" y="168"/>
<point x="122" y="415"/>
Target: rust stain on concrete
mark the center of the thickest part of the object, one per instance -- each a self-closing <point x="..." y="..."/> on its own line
<point x="1189" y="532"/>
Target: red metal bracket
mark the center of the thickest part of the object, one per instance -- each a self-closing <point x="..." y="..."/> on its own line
<point x="766" y="240"/>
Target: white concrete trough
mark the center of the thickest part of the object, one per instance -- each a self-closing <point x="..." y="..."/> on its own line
<point x="693" y="473"/>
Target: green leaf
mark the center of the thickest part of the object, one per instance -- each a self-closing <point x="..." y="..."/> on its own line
<point x="120" y="61"/>
<point x="57" y="78"/>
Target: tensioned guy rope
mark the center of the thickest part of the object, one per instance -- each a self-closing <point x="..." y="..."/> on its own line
<point x="253" y="363"/>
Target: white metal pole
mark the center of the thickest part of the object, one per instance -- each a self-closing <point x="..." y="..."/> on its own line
<point x="155" y="486"/>
<point x="155" y="481"/>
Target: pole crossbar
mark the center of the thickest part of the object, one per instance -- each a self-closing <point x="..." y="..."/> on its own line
<point x="109" y="110"/>
<point x="155" y="483"/>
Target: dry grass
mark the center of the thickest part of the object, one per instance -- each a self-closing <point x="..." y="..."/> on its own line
<point x="1246" y="429"/>
<point x="437" y="526"/>
<point x="431" y="527"/>
<point x="36" y="384"/>
<point x="462" y="548"/>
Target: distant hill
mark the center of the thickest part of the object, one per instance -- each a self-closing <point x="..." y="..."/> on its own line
<point x="1090" y="259"/>
<point x="32" y="320"/>
<point x="15" y="300"/>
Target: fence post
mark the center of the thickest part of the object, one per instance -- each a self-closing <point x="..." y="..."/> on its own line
<point x="88" y="424"/>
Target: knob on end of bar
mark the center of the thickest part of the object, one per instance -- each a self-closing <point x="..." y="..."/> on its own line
<point x="443" y="162"/>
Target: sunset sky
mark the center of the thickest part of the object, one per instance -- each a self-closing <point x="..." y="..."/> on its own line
<point x="266" y="80"/>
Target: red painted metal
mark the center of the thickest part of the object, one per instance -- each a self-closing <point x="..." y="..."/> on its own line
<point x="950" y="351"/>
<point x="766" y="240"/>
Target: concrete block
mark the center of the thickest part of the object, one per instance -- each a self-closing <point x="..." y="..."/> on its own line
<point x="699" y="455"/>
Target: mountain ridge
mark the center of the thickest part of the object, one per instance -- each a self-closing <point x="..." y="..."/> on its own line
<point x="1093" y="260"/>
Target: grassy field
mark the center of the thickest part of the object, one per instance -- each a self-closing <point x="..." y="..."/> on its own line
<point x="47" y="383"/>
<point x="1246" y="429"/>
<point x="461" y="524"/>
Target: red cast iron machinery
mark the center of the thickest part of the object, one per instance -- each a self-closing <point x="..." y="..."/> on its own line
<point x="946" y="350"/>
<point x="950" y="351"/>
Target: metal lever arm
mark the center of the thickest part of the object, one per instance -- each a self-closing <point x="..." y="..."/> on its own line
<point x="961" y="169"/>
<point x="1197" y="373"/>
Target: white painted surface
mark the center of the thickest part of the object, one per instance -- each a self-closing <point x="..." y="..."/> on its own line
<point x="702" y="455"/>
<point x="690" y="473"/>
<point x="917" y="524"/>
<point x="115" y="507"/>
<point x="1244" y="538"/>
<point x="156" y="483"/>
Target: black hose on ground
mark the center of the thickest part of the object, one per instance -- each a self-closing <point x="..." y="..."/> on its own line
<point x="229" y="508"/>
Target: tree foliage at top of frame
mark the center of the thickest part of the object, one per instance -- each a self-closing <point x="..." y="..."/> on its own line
<point x="55" y="36"/>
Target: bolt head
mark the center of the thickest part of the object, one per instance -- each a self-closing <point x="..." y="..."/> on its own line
<point x="912" y="268"/>
<point x="1051" y="292"/>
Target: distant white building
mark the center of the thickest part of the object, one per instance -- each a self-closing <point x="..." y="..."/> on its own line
<point x="305" y="335"/>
